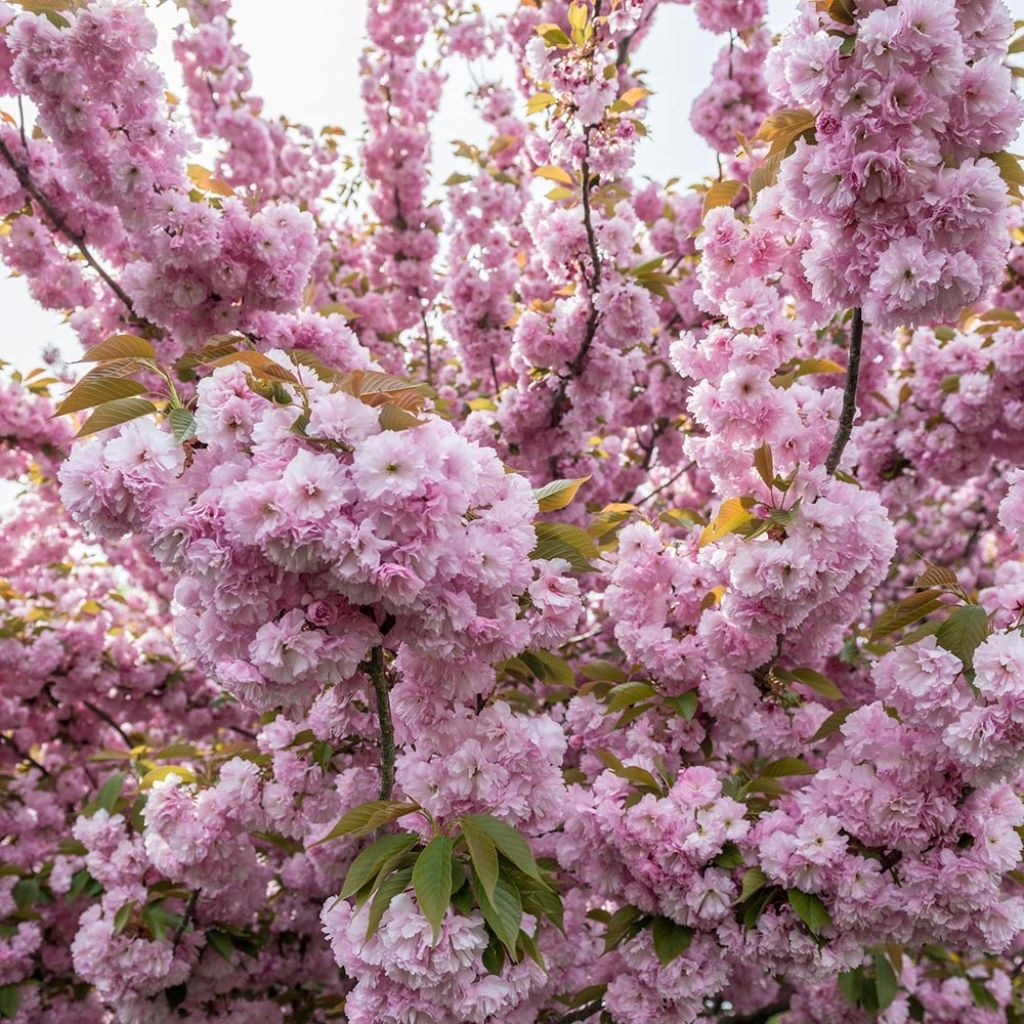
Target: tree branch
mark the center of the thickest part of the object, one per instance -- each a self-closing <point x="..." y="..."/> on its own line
<point x="593" y="282"/>
<point x="26" y="756"/>
<point x="760" y="1016"/>
<point x="667" y="483"/>
<point x="382" y="691"/>
<point x="100" y="713"/>
<point x="190" y="910"/>
<point x="849" y="412"/>
<point x="61" y="226"/>
<point x="426" y="345"/>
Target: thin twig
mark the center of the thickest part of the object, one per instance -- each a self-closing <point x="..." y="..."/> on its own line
<point x="849" y="413"/>
<point x="426" y="345"/>
<point x="100" y="713"/>
<point x="61" y="226"/>
<point x="190" y="910"/>
<point x="26" y="757"/>
<point x="21" y="126"/>
<point x="667" y="483"/>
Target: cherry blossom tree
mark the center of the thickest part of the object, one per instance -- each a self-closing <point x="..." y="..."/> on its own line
<point x="540" y="596"/>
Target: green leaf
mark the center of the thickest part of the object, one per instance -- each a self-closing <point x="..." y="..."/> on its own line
<point x="786" y="766"/>
<point x="625" y="694"/>
<point x="432" y="881"/>
<point x="154" y="918"/>
<point x="770" y="787"/>
<point x="562" y="540"/>
<point x="504" y="913"/>
<point x="554" y="669"/>
<point x="638" y="776"/>
<point x="10" y="1000"/>
<point x="525" y="944"/>
<point x="670" y="939"/>
<point x="493" y="956"/>
<point x="538" y="897"/>
<point x="832" y="724"/>
<point x="963" y="631"/>
<point x="27" y="893"/>
<point x="810" y="910"/>
<point x="817" y="682"/>
<point x="730" y="857"/>
<point x="754" y="879"/>
<point x="981" y="995"/>
<point x="388" y="890"/>
<point x="508" y="841"/>
<point x="909" y="610"/>
<point x="755" y="907"/>
<point x="109" y="792"/>
<point x="886" y="986"/>
<point x="183" y="424"/>
<point x="370" y="860"/>
<point x="220" y="942"/>
<point x="124" y="913"/>
<point x="92" y="390"/>
<point x="558" y="494"/>
<point x="112" y="414"/>
<point x="80" y="881"/>
<point x="603" y="671"/>
<point x="364" y="818"/>
<point x="626" y="922"/>
<point x="120" y="346"/>
<point x="851" y="983"/>
<point x="685" y="704"/>
<point x="483" y="854"/>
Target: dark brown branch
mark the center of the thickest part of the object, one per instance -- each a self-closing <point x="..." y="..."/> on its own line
<point x="593" y="282"/>
<point x="849" y="413"/>
<point x="61" y="226"/>
<point x="382" y="691"/>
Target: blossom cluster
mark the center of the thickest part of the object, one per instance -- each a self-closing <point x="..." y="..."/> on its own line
<point x="547" y="595"/>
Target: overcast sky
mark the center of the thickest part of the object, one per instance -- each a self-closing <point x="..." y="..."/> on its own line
<point x="304" y="62"/>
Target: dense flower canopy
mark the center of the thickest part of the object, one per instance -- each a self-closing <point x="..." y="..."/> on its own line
<point x="541" y="596"/>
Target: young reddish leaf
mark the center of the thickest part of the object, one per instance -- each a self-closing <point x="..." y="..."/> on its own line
<point x="119" y="346"/>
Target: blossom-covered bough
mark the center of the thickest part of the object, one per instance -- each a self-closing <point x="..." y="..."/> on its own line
<point x="543" y="596"/>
